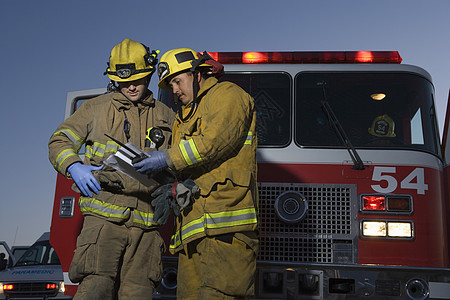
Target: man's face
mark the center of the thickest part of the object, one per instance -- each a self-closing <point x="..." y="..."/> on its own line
<point x="133" y="90"/>
<point x="182" y="87"/>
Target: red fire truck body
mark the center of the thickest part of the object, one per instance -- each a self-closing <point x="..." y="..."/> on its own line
<point x="353" y="185"/>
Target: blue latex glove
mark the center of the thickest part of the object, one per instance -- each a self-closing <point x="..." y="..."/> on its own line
<point x="84" y="179"/>
<point x="153" y="164"/>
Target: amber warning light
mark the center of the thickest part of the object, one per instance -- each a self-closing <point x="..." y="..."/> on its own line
<point x="307" y="57"/>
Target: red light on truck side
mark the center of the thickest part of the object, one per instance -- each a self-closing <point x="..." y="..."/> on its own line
<point x="374" y="203"/>
<point x="387" y="204"/>
<point x="8" y="287"/>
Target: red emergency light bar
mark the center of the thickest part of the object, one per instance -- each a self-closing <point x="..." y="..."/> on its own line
<point x="307" y="57"/>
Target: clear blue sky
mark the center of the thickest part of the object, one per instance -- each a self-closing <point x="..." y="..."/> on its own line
<point x="48" y="48"/>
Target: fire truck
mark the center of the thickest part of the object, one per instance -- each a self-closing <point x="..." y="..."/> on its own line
<point x="352" y="176"/>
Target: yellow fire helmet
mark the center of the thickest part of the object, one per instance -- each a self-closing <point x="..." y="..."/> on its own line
<point x="130" y="60"/>
<point x="177" y="61"/>
<point x="382" y="126"/>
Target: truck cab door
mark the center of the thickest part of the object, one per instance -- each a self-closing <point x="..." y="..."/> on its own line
<point x="7" y="259"/>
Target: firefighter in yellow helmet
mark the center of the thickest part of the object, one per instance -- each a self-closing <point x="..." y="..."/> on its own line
<point x="214" y="143"/>
<point x="118" y="254"/>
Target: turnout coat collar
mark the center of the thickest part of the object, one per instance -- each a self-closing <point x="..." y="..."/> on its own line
<point x="121" y="102"/>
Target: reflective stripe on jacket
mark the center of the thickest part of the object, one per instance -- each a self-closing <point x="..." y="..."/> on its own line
<point x="110" y="211"/>
<point x="216" y="147"/>
<point x="87" y="127"/>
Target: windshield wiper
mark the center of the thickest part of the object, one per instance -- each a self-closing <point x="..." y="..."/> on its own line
<point x="340" y="132"/>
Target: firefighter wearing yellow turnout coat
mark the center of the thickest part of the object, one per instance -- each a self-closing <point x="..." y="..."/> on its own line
<point x="214" y="143"/>
<point x="119" y="238"/>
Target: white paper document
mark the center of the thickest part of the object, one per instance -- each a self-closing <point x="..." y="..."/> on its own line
<point x="121" y="161"/>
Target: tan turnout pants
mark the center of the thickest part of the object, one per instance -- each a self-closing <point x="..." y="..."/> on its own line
<point x="221" y="267"/>
<point x="115" y="261"/>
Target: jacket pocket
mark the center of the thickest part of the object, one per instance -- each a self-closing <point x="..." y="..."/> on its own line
<point x="154" y="267"/>
<point x="218" y="178"/>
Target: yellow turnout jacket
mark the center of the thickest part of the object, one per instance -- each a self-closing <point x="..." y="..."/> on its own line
<point x="107" y="113"/>
<point x="216" y="147"/>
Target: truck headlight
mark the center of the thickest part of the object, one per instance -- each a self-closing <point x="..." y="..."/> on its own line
<point x="400" y="229"/>
<point x="373" y="228"/>
<point x="387" y="229"/>
<point x="62" y="287"/>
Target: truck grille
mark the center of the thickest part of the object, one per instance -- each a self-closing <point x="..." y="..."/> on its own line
<point x="325" y="235"/>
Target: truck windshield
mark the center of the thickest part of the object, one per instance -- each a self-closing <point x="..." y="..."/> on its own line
<point x="41" y="253"/>
<point x="376" y="110"/>
<point x="273" y="101"/>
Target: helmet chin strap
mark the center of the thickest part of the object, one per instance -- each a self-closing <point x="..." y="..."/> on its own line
<point x="195" y="89"/>
<point x="147" y="79"/>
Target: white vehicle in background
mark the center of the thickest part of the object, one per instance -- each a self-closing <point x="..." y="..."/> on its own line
<point x="37" y="274"/>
